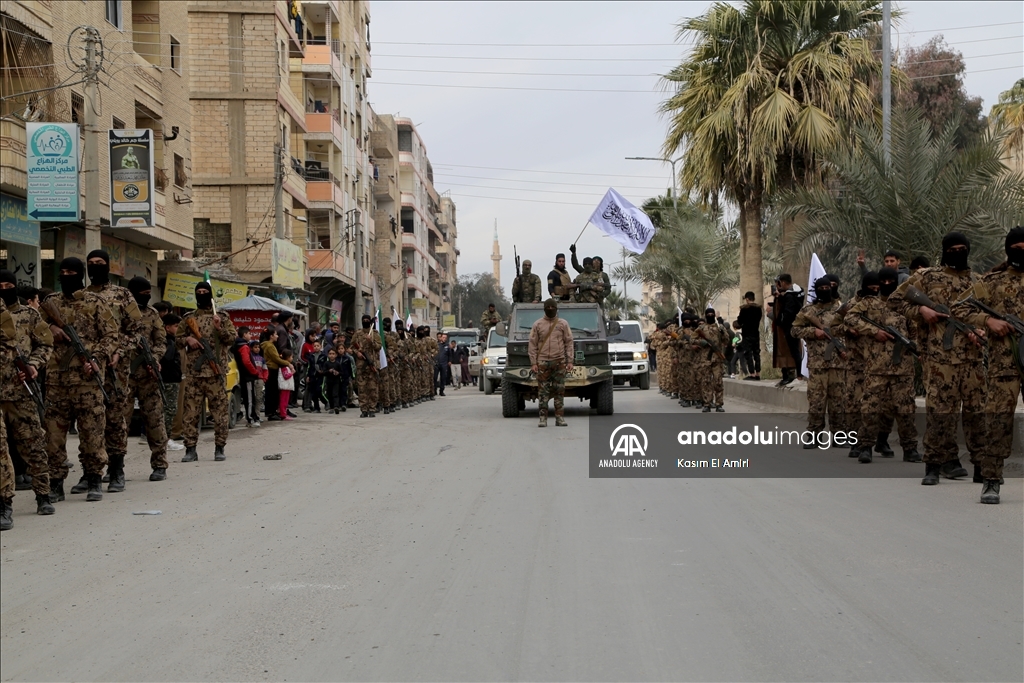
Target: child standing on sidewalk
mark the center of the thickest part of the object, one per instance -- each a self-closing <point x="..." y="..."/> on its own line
<point x="286" y="385"/>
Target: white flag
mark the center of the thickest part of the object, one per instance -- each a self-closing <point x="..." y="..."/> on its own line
<point x="817" y="271"/>
<point x="679" y="316"/>
<point x="623" y="222"/>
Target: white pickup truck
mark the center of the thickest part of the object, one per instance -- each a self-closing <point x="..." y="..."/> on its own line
<point x="628" y="355"/>
<point x="492" y="362"/>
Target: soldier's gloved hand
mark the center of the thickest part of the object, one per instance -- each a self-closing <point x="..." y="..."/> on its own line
<point x="572" y="248"/>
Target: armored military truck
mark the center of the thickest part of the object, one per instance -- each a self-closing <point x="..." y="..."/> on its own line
<point x="591" y="377"/>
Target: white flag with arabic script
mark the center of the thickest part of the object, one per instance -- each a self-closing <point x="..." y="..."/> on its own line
<point x="616" y="217"/>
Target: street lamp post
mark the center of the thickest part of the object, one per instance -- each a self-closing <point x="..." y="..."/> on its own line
<point x="675" y="191"/>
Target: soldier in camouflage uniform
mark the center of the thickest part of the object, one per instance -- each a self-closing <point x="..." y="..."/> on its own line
<point x="654" y="348"/>
<point x="127" y="316"/>
<point x="366" y="349"/>
<point x="954" y="377"/>
<point x="597" y="263"/>
<point x="688" y="365"/>
<point x="590" y="286"/>
<point x="669" y="350"/>
<point x="826" y="386"/>
<point x="551" y="359"/>
<point x="7" y="344"/>
<point x="72" y="392"/>
<point x="203" y="379"/>
<point x="390" y="373"/>
<point x="32" y="342"/>
<point x="428" y="349"/>
<point x="857" y="350"/>
<point x="709" y="336"/>
<point x="527" y="287"/>
<point x="143" y="382"/>
<point x="1001" y="290"/>
<point x="404" y="370"/>
<point x="888" y="386"/>
<point x="489" y="319"/>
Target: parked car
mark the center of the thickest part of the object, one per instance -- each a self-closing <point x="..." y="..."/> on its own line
<point x="629" y="355"/>
<point x="492" y="362"/>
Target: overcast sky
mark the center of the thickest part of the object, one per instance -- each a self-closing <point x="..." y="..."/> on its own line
<point x="571" y="90"/>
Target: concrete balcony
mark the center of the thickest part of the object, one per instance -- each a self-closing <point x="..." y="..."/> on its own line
<point x="385" y="187"/>
<point x="317" y="125"/>
<point x="322" y="59"/>
<point x="324" y="191"/>
<point x="13" y="169"/>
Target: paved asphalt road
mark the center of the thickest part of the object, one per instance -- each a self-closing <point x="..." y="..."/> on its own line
<point x="446" y="543"/>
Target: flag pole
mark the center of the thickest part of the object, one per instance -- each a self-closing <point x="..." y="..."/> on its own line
<point x="581" y="232"/>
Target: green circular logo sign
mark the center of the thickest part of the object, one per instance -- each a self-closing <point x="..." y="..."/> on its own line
<point x="51" y="141"/>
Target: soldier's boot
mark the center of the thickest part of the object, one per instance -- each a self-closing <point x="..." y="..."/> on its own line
<point x="159" y="474"/>
<point x="56" y="490"/>
<point x="82" y="486"/>
<point x="6" y="515"/>
<point x="43" y="505"/>
<point x="952" y="469"/>
<point x="854" y="451"/>
<point x="218" y="454"/>
<point x="990" y="492"/>
<point x="809" y="446"/>
<point x="560" y="421"/>
<point x="371" y="414"/>
<point x="719" y="408"/>
<point x="707" y="408"/>
<point x="22" y="482"/>
<point x="931" y="474"/>
<point x="190" y="454"/>
<point x="882" y="446"/>
<point x="363" y="414"/>
<point x="106" y="476"/>
<point x="95" y="492"/>
<point x="864" y="456"/>
<point x="978" y="479"/>
<point x="543" y="419"/>
<point x="115" y="470"/>
<point x="911" y="455"/>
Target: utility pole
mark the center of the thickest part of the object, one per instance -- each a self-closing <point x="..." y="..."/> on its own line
<point x="357" y="300"/>
<point x="886" y="77"/>
<point x="279" y="191"/>
<point x="91" y="162"/>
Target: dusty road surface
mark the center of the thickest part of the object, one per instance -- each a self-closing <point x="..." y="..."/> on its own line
<point x="447" y="543"/>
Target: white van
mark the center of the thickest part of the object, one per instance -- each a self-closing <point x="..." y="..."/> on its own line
<point x="628" y="355"/>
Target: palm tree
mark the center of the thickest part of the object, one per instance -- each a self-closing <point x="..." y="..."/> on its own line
<point x="768" y="88"/>
<point x="928" y="188"/>
<point x="1008" y="114"/>
<point x="620" y="307"/>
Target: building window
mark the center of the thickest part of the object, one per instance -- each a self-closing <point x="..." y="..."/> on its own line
<point x="118" y="124"/>
<point x="77" y="109"/>
<point x="175" y="55"/>
<point x="180" y="177"/>
<point x="404" y="140"/>
<point x="112" y="12"/>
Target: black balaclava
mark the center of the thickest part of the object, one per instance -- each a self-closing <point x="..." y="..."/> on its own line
<point x="888" y="281"/>
<point x="69" y="284"/>
<point x="366" y="321"/>
<point x="387" y="324"/>
<point x="204" y="300"/>
<point x="834" y="279"/>
<point x="550" y="308"/>
<point x="709" y="316"/>
<point x="10" y="295"/>
<point x="99" y="273"/>
<point x="1015" y="257"/>
<point x="957" y="260"/>
<point x="140" y="284"/>
<point x="400" y="328"/>
<point x="823" y="293"/>
<point x="588" y="265"/>
<point x="869" y="280"/>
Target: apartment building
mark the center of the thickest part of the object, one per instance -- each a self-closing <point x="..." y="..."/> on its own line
<point x="143" y="84"/>
<point x="387" y="270"/>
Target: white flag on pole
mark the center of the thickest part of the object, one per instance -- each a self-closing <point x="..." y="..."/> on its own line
<point x="817" y="271"/>
<point x="679" y="316"/>
<point x="616" y="217"/>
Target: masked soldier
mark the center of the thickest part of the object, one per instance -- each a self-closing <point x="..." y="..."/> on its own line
<point x="387" y="374"/>
<point x="669" y="349"/>
<point x="73" y="393"/>
<point x="429" y="348"/>
<point x="143" y="383"/>
<point x="826" y="386"/>
<point x="954" y="375"/>
<point x="31" y="345"/>
<point x="7" y="353"/>
<point x="551" y="356"/>
<point x="589" y="285"/>
<point x="598" y="265"/>
<point x="711" y="339"/>
<point x="526" y="288"/>
<point x="366" y="349"/>
<point x="206" y="337"/>
<point x="1001" y="290"/>
<point x="404" y="370"/>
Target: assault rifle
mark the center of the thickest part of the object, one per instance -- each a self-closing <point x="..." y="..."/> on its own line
<point x="902" y="342"/>
<point x="206" y="354"/>
<point x="84" y="355"/>
<point x="834" y="343"/>
<point x="31" y="385"/>
<point x="516" y="298"/>
<point x="1016" y="323"/>
<point x="916" y="296"/>
<point x="359" y="353"/>
<point x="717" y="351"/>
<point x="146" y="358"/>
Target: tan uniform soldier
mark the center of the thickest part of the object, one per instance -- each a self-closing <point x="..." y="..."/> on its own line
<point x="7" y="334"/>
<point x="144" y="383"/>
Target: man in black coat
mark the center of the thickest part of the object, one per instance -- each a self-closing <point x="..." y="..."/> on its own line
<point x="749" y="323"/>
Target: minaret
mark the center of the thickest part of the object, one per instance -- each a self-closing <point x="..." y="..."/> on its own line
<point x="496" y="255"/>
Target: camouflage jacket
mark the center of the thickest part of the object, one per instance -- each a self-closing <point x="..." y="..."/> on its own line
<point x="126" y="315"/>
<point x="152" y="330"/>
<point x="394" y="349"/>
<point x="877" y="356"/>
<point x="94" y="322"/>
<point x="856" y="346"/>
<point x="527" y="289"/>
<point x="804" y="329"/>
<point x="32" y="341"/>
<point x="365" y="348"/>
<point x="657" y="338"/>
<point x="944" y="286"/>
<point x="487" y="322"/>
<point x="220" y="341"/>
<point x="591" y="289"/>
<point x="429" y="346"/>
<point x="712" y="334"/>
<point x="1004" y="292"/>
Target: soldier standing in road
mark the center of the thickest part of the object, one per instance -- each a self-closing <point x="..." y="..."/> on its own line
<point x="826" y="386"/>
<point x="366" y="348"/>
<point x="404" y="370"/>
<point x="597" y="263"/>
<point x="1002" y="290"/>
<point x="143" y="382"/>
<point x="389" y="377"/>
<point x="526" y="288"/>
<point x="30" y="345"/>
<point x="73" y="393"/>
<point x="127" y="316"/>
<point x="489" y="319"/>
<point x="206" y="337"/>
<point x="712" y="340"/>
<point x="551" y="356"/>
<point x="430" y="349"/>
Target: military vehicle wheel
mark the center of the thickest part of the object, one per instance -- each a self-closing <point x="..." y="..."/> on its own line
<point x="605" y="398"/>
<point x="509" y="400"/>
<point x="234" y="408"/>
<point x="645" y="380"/>
<point x="480" y="383"/>
<point x="488" y="386"/>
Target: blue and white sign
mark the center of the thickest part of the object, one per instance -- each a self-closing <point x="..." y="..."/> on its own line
<point x="52" y="171"/>
<point x="15" y="225"/>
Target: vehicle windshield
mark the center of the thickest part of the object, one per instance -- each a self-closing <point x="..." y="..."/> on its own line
<point x="584" y="322"/>
<point x="496" y="340"/>
<point x="463" y="338"/>
<point x="630" y="333"/>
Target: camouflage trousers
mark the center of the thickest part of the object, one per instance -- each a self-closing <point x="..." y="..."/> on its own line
<point x="195" y="390"/>
<point x="171" y="406"/>
<point x="712" y="389"/>
<point x="82" y="404"/>
<point x="954" y="391"/>
<point x="854" y="398"/>
<point x="886" y="397"/>
<point x="367" y="386"/>
<point x="405" y="393"/>
<point x="670" y="383"/>
<point x="6" y="466"/>
<point x="1002" y="401"/>
<point x="387" y="386"/>
<point x="25" y="432"/>
<point x="151" y="404"/>
<point x="551" y="384"/>
<point x="115" y="431"/>
<point x="826" y="396"/>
